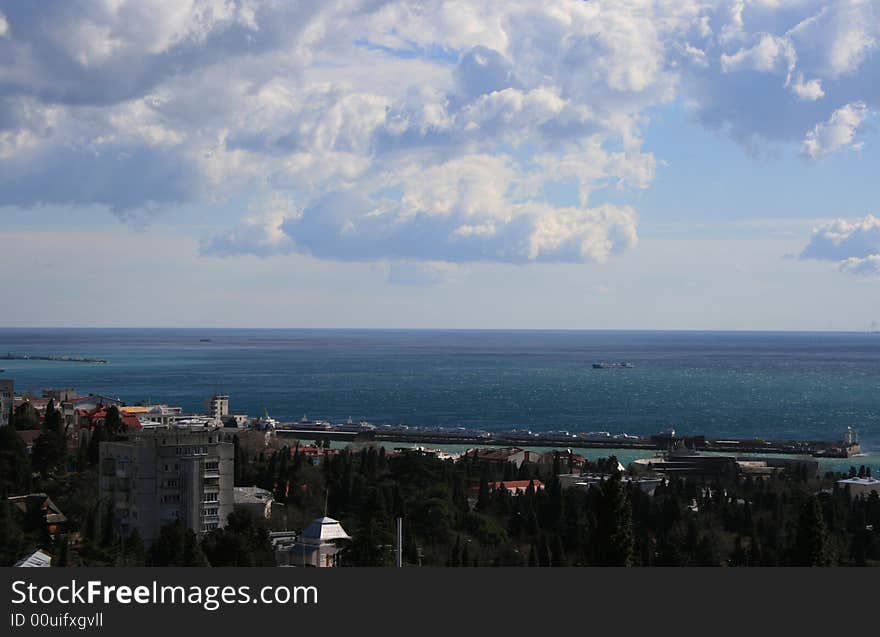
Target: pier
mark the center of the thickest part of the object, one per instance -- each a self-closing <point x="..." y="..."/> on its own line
<point x="665" y="441"/>
<point x="64" y="359"/>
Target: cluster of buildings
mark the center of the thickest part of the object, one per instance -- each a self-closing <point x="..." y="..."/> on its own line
<point x="178" y="466"/>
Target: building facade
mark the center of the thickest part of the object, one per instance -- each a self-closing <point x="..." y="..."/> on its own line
<point x="157" y="476"/>
<point x="7" y="392"/>
<point x="217" y="406"/>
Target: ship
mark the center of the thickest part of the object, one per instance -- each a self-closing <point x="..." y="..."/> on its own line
<point x="846" y="448"/>
<point x="349" y="426"/>
<point x="613" y="365"/>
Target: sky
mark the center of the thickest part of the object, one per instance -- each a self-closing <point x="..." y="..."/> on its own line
<point x="665" y="164"/>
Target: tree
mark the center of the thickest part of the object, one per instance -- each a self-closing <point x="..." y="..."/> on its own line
<point x="244" y="541"/>
<point x="812" y="547"/>
<point x="49" y="452"/>
<point x="11" y="535"/>
<point x="26" y="416"/>
<point x="176" y="546"/>
<point x="15" y="464"/>
<point x="614" y="536"/>
<point x="53" y="420"/>
<point x="113" y="424"/>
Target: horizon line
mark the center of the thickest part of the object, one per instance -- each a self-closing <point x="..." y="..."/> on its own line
<point x="445" y="329"/>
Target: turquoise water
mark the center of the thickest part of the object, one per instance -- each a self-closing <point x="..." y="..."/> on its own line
<point x="771" y="385"/>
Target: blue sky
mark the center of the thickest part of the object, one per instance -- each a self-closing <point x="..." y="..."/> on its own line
<point x="613" y="165"/>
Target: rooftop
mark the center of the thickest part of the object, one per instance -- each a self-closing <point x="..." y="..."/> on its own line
<point x="37" y="559"/>
<point x="325" y="529"/>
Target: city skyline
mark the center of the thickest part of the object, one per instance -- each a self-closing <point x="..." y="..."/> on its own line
<point x="581" y="165"/>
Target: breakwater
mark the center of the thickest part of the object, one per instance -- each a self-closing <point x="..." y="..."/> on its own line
<point x="659" y="442"/>
<point x="64" y="359"/>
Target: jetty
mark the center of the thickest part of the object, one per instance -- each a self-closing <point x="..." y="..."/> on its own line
<point x="64" y="359"/>
<point x="664" y="441"/>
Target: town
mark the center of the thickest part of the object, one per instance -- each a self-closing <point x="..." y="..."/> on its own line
<point x="91" y="480"/>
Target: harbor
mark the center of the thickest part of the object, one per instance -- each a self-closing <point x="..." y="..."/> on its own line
<point x="846" y="447"/>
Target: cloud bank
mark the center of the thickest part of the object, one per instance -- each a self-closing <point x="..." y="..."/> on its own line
<point x="855" y="247"/>
<point x="414" y="131"/>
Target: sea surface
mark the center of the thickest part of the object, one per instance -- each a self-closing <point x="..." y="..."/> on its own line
<point x="721" y="384"/>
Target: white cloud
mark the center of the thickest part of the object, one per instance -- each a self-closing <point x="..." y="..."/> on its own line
<point x="809" y="90"/>
<point x="855" y="246"/>
<point x="867" y="266"/>
<point x="838" y="132"/>
<point x="260" y="234"/>
<point x="442" y="125"/>
<point x="771" y="53"/>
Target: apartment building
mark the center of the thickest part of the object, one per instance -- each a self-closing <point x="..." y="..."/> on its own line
<point x="160" y="475"/>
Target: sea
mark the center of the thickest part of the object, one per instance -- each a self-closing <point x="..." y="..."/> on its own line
<point x="772" y="385"/>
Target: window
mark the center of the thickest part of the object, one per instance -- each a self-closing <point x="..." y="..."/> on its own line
<point x="212" y="466"/>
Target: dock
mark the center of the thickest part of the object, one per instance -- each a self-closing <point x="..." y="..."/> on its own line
<point x="665" y="441"/>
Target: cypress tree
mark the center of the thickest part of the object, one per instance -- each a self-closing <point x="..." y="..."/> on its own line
<point x="812" y="547"/>
<point x="614" y="525"/>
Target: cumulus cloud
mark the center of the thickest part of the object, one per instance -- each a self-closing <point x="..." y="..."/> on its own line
<point x="866" y="266"/>
<point x="838" y="132"/>
<point x="410" y="131"/>
<point x="854" y="246"/>
<point x="260" y="234"/>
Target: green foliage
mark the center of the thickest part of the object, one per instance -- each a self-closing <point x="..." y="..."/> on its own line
<point x="176" y="546"/>
<point x="11" y="534"/>
<point x="812" y="544"/>
<point x="244" y="541"/>
<point x="15" y="464"/>
<point x="49" y="452"/>
<point x="26" y="416"/>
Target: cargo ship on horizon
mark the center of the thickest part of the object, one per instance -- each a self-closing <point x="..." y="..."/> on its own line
<point x="613" y="365"/>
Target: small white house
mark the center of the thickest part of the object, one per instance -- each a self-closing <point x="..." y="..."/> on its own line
<point x="859" y="486"/>
<point x="318" y="545"/>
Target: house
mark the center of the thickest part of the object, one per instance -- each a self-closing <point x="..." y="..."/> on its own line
<point x="255" y="500"/>
<point x="586" y="480"/>
<point x="52" y="516"/>
<point x="860" y="486"/>
<point x="313" y="454"/>
<point x="37" y="559"/>
<point x="567" y="460"/>
<point x="319" y="545"/>
<point x="517" y="486"/>
<point x="513" y="487"/>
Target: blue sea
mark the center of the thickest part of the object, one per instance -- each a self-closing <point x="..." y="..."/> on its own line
<point x="736" y="384"/>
